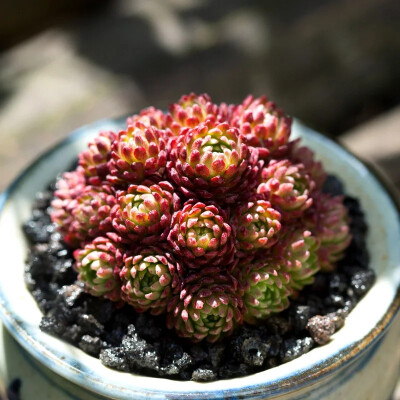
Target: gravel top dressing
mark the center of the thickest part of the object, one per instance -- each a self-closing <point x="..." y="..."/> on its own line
<point x="140" y="343"/>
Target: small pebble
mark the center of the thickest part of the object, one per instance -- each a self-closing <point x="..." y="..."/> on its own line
<point x="204" y="375"/>
<point x="362" y="281"/>
<point x="254" y="352"/>
<point x="71" y="294"/>
<point x="115" y="357"/>
<point x="90" y="325"/>
<point x="321" y="328"/>
<point x="294" y="348"/>
<point x="91" y="345"/>
<point x="338" y="318"/>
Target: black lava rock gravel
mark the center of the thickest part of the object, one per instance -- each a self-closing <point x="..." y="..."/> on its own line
<point x="140" y="343"/>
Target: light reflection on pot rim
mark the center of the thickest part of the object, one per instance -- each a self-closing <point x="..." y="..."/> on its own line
<point x="73" y="370"/>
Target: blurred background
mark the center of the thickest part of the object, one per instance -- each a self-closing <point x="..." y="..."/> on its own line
<point x="334" y="64"/>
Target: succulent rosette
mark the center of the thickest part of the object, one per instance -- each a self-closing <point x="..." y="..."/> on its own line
<point x="86" y="216"/>
<point x="68" y="187"/>
<point x="137" y="153"/>
<point x="148" y="117"/>
<point x="99" y="264"/>
<point x="263" y="124"/>
<point x="329" y="222"/>
<point x="94" y="160"/>
<point x="207" y="308"/>
<point x="190" y="111"/>
<point x="201" y="235"/>
<point x="212" y="162"/>
<point x="257" y="224"/>
<point x="70" y="184"/>
<point x="150" y="276"/>
<point x="298" y="251"/>
<point x="265" y="287"/>
<point x="143" y="212"/>
<point x="287" y="186"/>
<point x="304" y="155"/>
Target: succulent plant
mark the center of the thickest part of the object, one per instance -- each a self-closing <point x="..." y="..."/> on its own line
<point x="287" y="186"/>
<point x="298" y="251"/>
<point x="263" y="124"/>
<point x="148" y="117"/>
<point x="328" y="220"/>
<point x="94" y="160"/>
<point x="99" y="264"/>
<point x="143" y="212"/>
<point x="86" y="216"/>
<point x="207" y="214"/>
<point x="213" y="163"/>
<point x="207" y="308"/>
<point x="265" y="287"/>
<point x="190" y="111"/>
<point x="150" y="276"/>
<point x="137" y="153"/>
<point x="256" y="224"/>
<point x="201" y="235"/>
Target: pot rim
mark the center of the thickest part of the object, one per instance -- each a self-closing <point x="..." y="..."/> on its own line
<point x="296" y="380"/>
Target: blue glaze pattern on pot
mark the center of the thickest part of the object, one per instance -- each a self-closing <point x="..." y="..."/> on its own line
<point x="362" y="359"/>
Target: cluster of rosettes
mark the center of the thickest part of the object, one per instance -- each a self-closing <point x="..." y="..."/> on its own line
<point x="207" y="213"/>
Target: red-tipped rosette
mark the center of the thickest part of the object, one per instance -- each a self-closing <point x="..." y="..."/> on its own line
<point x="298" y="252"/>
<point x="148" y="117"/>
<point x="143" y="212"/>
<point x="94" y="160"/>
<point x="150" y="276"/>
<point x="287" y="186"/>
<point x="137" y="153"/>
<point x="328" y="220"/>
<point x="201" y="235"/>
<point x="190" y="111"/>
<point x="99" y="264"/>
<point x="85" y="217"/>
<point x="263" y="124"/>
<point x="256" y="224"/>
<point x="207" y="308"/>
<point x="212" y="162"/>
<point x="264" y="285"/>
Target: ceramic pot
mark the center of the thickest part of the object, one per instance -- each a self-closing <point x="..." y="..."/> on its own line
<point x="361" y="362"/>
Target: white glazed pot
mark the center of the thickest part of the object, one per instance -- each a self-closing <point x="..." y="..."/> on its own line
<point x="361" y="362"/>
